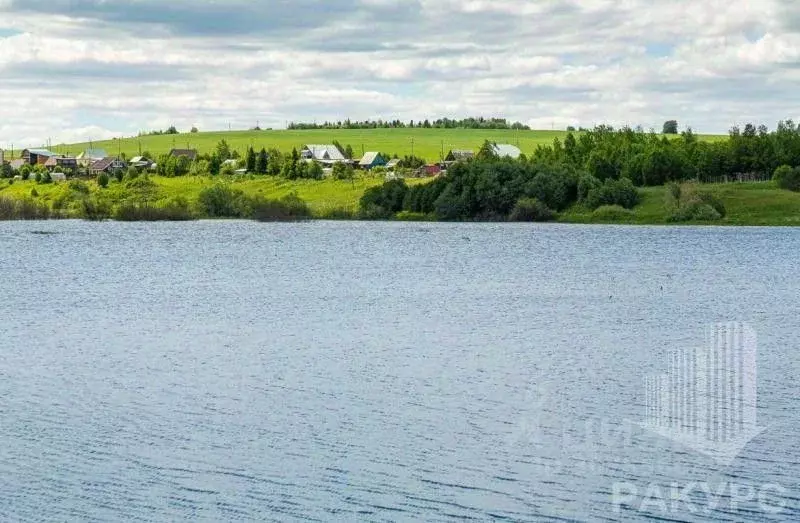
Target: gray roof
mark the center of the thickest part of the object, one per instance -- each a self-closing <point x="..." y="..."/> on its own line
<point x="461" y="154"/>
<point x="324" y="152"/>
<point x="104" y="164"/>
<point x="504" y="149"/>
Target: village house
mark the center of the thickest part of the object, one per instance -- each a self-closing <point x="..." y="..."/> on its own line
<point x="433" y="170"/>
<point x="36" y="156"/>
<point x="457" y="155"/>
<point x="89" y="156"/>
<point x="391" y="165"/>
<point x="372" y="160"/>
<point x="323" y="154"/>
<point x="140" y="162"/>
<point x="106" y="165"/>
<point x="61" y="162"/>
<point x="191" y="154"/>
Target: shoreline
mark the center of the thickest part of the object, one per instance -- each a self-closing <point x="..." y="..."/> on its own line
<point x="751" y="204"/>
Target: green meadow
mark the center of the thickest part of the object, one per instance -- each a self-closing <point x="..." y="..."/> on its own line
<point x="746" y="203"/>
<point x="324" y="197"/>
<point x="429" y="144"/>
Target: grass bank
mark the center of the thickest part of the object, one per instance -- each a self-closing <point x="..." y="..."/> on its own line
<point x="325" y="199"/>
<point x="179" y="198"/>
<point x="745" y="203"/>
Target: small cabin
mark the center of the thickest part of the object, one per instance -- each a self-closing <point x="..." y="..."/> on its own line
<point x="372" y="160"/>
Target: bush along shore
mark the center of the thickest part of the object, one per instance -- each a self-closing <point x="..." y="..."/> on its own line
<point x="138" y="199"/>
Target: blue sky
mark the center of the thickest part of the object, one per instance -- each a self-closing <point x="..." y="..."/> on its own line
<point x="78" y="69"/>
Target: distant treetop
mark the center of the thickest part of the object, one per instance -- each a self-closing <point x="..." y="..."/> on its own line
<point x="442" y="123"/>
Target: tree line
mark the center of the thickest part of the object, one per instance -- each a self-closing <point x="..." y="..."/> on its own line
<point x="647" y="159"/>
<point x="600" y="168"/>
<point x="441" y="123"/>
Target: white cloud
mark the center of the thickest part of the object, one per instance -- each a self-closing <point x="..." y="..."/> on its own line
<point x="91" y="69"/>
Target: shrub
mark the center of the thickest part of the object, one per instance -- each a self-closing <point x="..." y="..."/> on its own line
<point x="336" y="213"/>
<point x="531" y="210"/>
<point x="406" y="216"/>
<point x="288" y="208"/>
<point x="384" y="201"/>
<point x="23" y="209"/>
<point x="34" y="193"/>
<point x="674" y="191"/>
<point x="176" y="209"/>
<point x="94" y="209"/>
<point x="614" y="192"/>
<point x="422" y="198"/>
<point x="451" y="204"/>
<point x="611" y="213"/>
<point x="314" y="171"/>
<point x="343" y="171"/>
<point x="78" y="187"/>
<point x="220" y="201"/>
<point x="787" y="178"/>
<point x="714" y="202"/>
<point x="693" y="204"/>
<point x="102" y="180"/>
<point x="131" y="174"/>
<point x="586" y="184"/>
<point x="555" y="189"/>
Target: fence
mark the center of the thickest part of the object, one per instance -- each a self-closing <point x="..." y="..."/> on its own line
<point x="739" y="178"/>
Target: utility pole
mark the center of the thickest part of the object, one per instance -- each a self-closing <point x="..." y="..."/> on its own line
<point x="412" y="146"/>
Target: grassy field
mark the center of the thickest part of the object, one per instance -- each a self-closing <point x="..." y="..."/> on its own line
<point x="323" y="197"/>
<point x="745" y="203"/>
<point x="427" y="143"/>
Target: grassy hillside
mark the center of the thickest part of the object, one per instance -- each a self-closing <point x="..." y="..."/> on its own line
<point x="746" y="203"/>
<point x="324" y="197"/>
<point x="427" y="143"/>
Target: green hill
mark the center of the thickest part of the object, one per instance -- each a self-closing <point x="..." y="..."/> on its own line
<point x="430" y="144"/>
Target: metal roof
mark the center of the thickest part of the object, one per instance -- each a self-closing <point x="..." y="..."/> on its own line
<point x="504" y="149"/>
<point x="324" y="152"/>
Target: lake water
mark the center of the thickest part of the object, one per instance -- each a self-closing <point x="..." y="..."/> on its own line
<point x="371" y="371"/>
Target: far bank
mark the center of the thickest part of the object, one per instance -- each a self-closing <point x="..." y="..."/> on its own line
<point x="199" y="197"/>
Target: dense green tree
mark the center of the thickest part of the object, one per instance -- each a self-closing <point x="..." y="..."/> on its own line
<point x="343" y="171"/>
<point x="274" y="162"/>
<point x="670" y="127"/>
<point x="487" y="151"/>
<point x="223" y="151"/>
<point x="261" y="162"/>
<point x="250" y="160"/>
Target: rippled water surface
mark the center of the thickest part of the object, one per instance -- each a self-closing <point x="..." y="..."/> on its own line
<point x="349" y="371"/>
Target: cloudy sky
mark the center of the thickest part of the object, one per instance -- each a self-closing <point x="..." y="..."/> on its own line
<point x="78" y="69"/>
